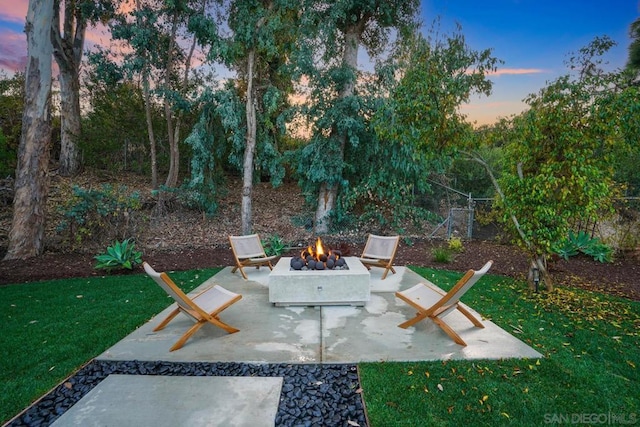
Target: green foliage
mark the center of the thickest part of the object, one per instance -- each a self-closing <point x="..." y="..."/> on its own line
<point x="11" y="106"/>
<point x="114" y="132"/>
<point x="119" y="256"/>
<point x="274" y="245"/>
<point x="633" y="62"/>
<point x="208" y="152"/>
<point x="7" y="157"/>
<point x="584" y="243"/>
<point x="341" y="103"/>
<point x="397" y="132"/>
<point x="424" y="107"/>
<point x="442" y="255"/>
<point x="89" y="214"/>
<point x="561" y="150"/>
<point x="455" y="245"/>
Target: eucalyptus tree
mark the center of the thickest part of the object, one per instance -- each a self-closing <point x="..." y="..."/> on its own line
<point x="154" y="33"/>
<point x="67" y="37"/>
<point x="26" y="236"/>
<point x="561" y="155"/>
<point x="261" y="36"/>
<point x="341" y="27"/>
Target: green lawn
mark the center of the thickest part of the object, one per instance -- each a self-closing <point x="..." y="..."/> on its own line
<point x="589" y="374"/>
<point x="590" y="342"/>
<point x="52" y="328"/>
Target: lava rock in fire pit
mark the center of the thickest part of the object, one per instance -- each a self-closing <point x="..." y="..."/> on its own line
<point x="310" y="263"/>
<point x="297" y="263"/>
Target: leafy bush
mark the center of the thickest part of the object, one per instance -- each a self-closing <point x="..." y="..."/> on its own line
<point x="455" y="245"/>
<point x="120" y="255"/>
<point x="274" y="245"/>
<point x="104" y="212"/>
<point x="442" y="255"/>
<point x="581" y="242"/>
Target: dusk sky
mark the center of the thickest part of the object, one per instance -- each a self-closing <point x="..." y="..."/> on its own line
<point x="532" y="37"/>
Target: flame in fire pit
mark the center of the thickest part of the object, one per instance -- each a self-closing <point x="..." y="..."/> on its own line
<point x="318" y="258"/>
<point x="318" y="252"/>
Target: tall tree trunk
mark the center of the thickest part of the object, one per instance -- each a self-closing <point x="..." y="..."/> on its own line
<point x="185" y="81"/>
<point x="26" y="237"/>
<point x="67" y="50"/>
<point x="174" y="152"/>
<point x="69" y="123"/>
<point x="329" y="192"/>
<point x="146" y="91"/>
<point x="249" y="149"/>
<point x="150" y="133"/>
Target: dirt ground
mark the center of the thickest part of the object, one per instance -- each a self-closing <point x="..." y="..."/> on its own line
<point x="184" y="240"/>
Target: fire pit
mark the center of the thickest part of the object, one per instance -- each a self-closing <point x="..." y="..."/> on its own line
<point x="318" y="258"/>
<point x="328" y="284"/>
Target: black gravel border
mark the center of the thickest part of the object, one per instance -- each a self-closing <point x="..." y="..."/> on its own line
<point x="312" y="394"/>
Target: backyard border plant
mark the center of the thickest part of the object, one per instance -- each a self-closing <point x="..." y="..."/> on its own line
<point x="122" y="255"/>
<point x="581" y="242"/>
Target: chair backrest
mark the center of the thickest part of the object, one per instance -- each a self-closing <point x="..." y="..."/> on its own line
<point x="464" y="284"/>
<point x="165" y="282"/>
<point x="382" y="247"/>
<point x="247" y="246"/>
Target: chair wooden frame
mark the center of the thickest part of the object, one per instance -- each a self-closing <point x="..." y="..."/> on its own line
<point x="431" y="302"/>
<point x="202" y="308"/>
<point x="380" y="251"/>
<point x="248" y="252"/>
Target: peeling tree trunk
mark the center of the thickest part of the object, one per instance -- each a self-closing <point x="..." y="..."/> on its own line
<point x="69" y="123"/>
<point x="26" y="237"/>
<point x="328" y="193"/>
<point x="67" y="50"/>
<point x="249" y="149"/>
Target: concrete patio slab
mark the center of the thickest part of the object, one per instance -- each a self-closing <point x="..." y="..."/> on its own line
<point x="141" y="400"/>
<point x="323" y="334"/>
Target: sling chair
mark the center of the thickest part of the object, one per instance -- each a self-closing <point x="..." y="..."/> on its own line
<point x="380" y="251"/>
<point x="202" y="308"/>
<point x="433" y="303"/>
<point x="248" y="251"/>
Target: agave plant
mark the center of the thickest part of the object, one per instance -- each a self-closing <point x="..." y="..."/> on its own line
<point x="582" y="242"/>
<point x="120" y="255"/>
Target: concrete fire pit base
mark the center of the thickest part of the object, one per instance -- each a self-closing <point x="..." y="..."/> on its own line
<point x="323" y="287"/>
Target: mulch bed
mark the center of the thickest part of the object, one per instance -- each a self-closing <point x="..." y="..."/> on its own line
<point x="622" y="277"/>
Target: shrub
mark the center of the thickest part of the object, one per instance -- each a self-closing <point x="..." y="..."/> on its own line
<point x="120" y="255"/>
<point x="455" y="245"/>
<point x="91" y="213"/>
<point x="581" y="242"/>
<point x="274" y="245"/>
<point x="442" y="255"/>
